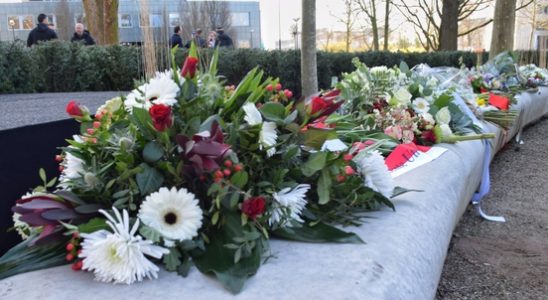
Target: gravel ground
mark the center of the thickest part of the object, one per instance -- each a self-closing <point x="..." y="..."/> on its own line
<point x="488" y="260"/>
<point x="18" y="110"/>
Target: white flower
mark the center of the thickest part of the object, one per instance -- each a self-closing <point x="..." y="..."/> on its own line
<point x="443" y="116"/>
<point x="334" y="145"/>
<point x="291" y="201"/>
<point x="110" y="106"/>
<point x="73" y="168"/>
<point x="403" y="96"/>
<point x="421" y="105"/>
<point x="446" y="130"/>
<point x="380" y="70"/>
<point x="428" y="118"/>
<point x="175" y="214"/>
<point x="159" y="90"/>
<point x="268" y="137"/>
<point x="252" y="114"/>
<point x="268" y="134"/>
<point x="375" y="172"/>
<point x="119" y="257"/>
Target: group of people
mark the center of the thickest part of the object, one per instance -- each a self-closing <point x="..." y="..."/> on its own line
<point x="44" y="32"/>
<point x="216" y="38"/>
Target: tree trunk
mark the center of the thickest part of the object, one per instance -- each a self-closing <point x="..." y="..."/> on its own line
<point x="102" y="20"/>
<point x="309" y="73"/>
<point x="503" y="27"/>
<point x="348" y="34"/>
<point x="449" y="28"/>
<point x="110" y="22"/>
<point x="374" y="26"/>
<point x="386" y="24"/>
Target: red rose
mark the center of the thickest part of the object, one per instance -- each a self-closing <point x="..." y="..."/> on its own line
<point x="189" y="67"/>
<point x="429" y="136"/>
<point x="74" y="110"/>
<point x="161" y="116"/>
<point x="254" y="207"/>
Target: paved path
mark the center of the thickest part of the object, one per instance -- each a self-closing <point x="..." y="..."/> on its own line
<point x="18" y="110"/>
<point x="489" y="260"/>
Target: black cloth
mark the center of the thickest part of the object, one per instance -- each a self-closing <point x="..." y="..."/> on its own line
<point x="176" y="40"/>
<point x="199" y="41"/>
<point x="85" y="37"/>
<point x="223" y="40"/>
<point x="41" y="33"/>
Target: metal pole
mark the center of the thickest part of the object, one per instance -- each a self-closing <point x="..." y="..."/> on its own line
<point x="279" y="27"/>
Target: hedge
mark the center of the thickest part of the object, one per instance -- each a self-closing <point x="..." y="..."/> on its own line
<point x="64" y="67"/>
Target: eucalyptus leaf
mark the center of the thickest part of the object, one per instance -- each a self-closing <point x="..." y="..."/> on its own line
<point x="315" y="162"/>
<point x="324" y="186"/>
<point x="150" y="180"/>
<point x="152" y="152"/>
<point x="273" y="111"/>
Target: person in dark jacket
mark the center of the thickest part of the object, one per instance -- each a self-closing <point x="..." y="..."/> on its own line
<point x="80" y="34"/>
<point x="42" y="32"/>
<point x="176" y="39"/>
<point x="198" y="39"/>
<point x="223" y="40"/>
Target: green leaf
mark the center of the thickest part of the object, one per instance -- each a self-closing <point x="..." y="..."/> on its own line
<point x="290" y="152"/>
<point x="219" y="260"/>
<point x="324" y="186"/>
<point x="319" y="233"/>
<point x="172" y="260"/>
<point x="315" y="137"/>
<point x="315" y="162"/>
<point x="239" y="179"/>
<point x="150" y="180"/>
<point x="69" y="196"/>
<point x="404" y="68"/>
<point x="273" y="111"/>
<point x="443" y="100"/>
<point x="42" y="174"/>
<point x="93" y="225"/>
<point x="150" y="233"/>
<point x="152" y="152"/>
<point x="142" y="120"/>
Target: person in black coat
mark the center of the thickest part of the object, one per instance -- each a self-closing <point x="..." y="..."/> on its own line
<point x="198" y="39"/>
<point x="80" y="34"/>
<point x="42" y="32"/>
<point x="223" y="40"/>
<point x="176" y="39"/>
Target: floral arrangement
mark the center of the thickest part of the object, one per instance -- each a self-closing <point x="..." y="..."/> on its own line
<point x="184" y="171"/>
<point x="533" y="76"/>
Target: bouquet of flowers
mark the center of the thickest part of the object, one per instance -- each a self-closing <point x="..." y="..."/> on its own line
<point x="533" y="76"/>
<point x="184" y="171"/>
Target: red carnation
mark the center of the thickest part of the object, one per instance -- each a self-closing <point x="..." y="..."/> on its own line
<point x="74" y="109"/>
<point x="189" y="67"/>
<point x="161" y="116"/>
<point x="253" y="207"/>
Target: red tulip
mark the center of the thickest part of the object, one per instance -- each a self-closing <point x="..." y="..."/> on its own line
<point x="189" y="67"/>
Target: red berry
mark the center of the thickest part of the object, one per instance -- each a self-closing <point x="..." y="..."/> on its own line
<point x="348" y="157"/>
<point x="70" y="247"/>
<point x="227" y="172"/>
<point x="349" y="171"/>
<point x="269" y="88"/>
<point x="237" y="168"/>
<point x="96" y="124"/>
<point x="77" y="266"/>
<point x="228" y="163"/>
<point x="288" y="94"/>
<point x="202" y="178"/>
<point x="218" y="174"/>
<point x="217" y="179"/>
<point x="58" y="158"/>
<point x="69" y="257"/>
<point x="90" y="131"/>
<point x="278" y="86"/>
<point x="341" y="178"/>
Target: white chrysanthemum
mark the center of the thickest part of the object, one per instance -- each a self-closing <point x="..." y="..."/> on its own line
<point x="159" y="90"/>
<point x="268" y="137"/>
<point x="252" y="114"/>
<point x="119" y="257"/>
<point x="73" y="168"/>
<point x="110" y="106"/>
<point x="375" y="172"/>
<point x="443" y="116"/>
<point x="290" y="201"/>
<point x="421" y="105"/>
<point x="175" y="214"/>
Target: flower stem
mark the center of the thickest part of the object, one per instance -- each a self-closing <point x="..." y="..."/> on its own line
<point x="459" y="138"/>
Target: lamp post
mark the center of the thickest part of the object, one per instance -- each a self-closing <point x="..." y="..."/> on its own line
<point x="279" y="27"/>
<point x="12" y="25"/>
<point x="296" y="32"/>
<point x="251" y="37"/>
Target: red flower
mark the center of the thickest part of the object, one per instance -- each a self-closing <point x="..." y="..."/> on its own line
<point x="429" y="136"/>
<point x="253" y="207"/>
<point x="325" y="104"/>
<point x="74" y="109"/>
<point x="161" y="116"/>
<point x="189" y="67"/>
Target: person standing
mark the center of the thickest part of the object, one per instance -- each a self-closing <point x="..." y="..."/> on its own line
<point x="197" y="38"/>
<point x="223" y="40"/>
<point x="42" y="32"/>
<point x="176" y="39"/>
<point x="80" y="34"/>
<point x="211" y="39"/>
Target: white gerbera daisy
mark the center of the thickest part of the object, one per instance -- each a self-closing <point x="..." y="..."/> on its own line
<point x="421" y="105"/>
<point x="291" y="201"/>
<point x="268" y="135"/>
<point x="175" y="214"/>
<point x="252" y="114"/>
<point x="375" y="172"/>
<point x="159" y="90"/>
<point x="73" y="168"/>
<point x="119" y="257"/>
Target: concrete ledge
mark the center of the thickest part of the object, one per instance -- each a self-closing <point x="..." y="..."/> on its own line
<point x="403" y="257"/>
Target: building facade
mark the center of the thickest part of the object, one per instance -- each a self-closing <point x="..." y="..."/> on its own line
<point x="18" y="18"/>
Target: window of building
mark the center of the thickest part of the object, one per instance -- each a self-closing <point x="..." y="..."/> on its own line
<point x="51" y="19"/>
<point x="28" y="22"/>
<point x="14" y="23"/>
<point x="174" y="19"/>
<point x="25" y="22"/>
<point x="240" y="18"/>
<point x="244" y="44"/>
<point x="124" y="21"/>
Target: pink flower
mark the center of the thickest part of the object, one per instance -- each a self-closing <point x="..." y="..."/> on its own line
<point x="394" y="131"/>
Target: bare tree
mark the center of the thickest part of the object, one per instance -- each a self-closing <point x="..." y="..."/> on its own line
<point x="348" y="20"/>
<point x="387" y="10"/>
<point x="449" y="27"/>
<point x="309" y="72"/>
<point x="530" y="16"/>
<point x="369" y="8"/>
<point x="102" y="20"/>
<point x="64" y="24"/>
<point x="207" y="15"/>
